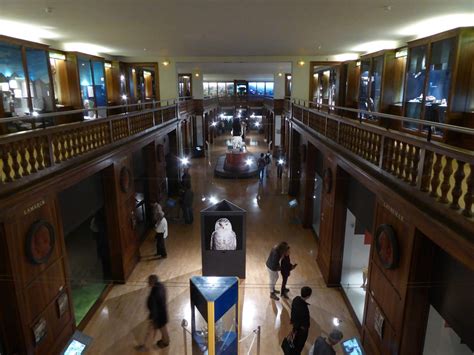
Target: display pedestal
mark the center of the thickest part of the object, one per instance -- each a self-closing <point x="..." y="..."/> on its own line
<point x="223" y="232"/>
<point x="215" y="328"/>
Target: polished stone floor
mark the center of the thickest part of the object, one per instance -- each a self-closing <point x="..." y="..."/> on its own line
<point x="120" y="323"/>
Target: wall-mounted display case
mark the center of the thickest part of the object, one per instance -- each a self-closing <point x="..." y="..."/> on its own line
<point x="25" y="81"/>
<point x="326" y="79"/>
<point x="381" y="83"/>
<point x="142" y="82"/>
<point x="439" y="80"/>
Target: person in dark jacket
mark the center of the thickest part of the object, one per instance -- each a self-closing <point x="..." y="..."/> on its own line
<point x="324" y="346"/>
<point x="158" y="314"/>
<point x="273" y="266"/>
<point x="188" y="204"/>
<point x="300" y="318"/>
<point x="286" y="267"/>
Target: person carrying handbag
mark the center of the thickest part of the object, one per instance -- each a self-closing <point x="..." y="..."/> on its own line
<point x="300" y="319"/>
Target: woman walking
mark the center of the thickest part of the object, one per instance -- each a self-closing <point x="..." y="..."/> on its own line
<point x="273" y="266"/>
<point x="161" y="229"/>
<point x="158" y="314"/>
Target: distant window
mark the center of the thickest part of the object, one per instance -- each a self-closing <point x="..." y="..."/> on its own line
<point x="253" y="88"/>
<point x="261" y="88"/>
<point x="269" y="88"/>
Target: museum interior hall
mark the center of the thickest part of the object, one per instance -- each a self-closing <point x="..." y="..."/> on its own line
<point x="233" y="177"/>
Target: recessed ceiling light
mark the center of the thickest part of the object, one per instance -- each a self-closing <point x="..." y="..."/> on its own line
<point x="437" y="24"/>
<point x="88" y="48"/>
<point x="346" y="56"/>
<point x="375" y="46"/>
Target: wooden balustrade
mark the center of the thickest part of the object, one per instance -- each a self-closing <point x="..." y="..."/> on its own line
<point x="442" y="172"/>
<point x="27" y="154"/>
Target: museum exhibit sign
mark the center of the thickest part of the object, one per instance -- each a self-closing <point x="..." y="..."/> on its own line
<point x="223" y="240"/>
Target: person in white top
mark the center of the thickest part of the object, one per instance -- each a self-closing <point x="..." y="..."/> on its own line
<point x="161" y="229"/>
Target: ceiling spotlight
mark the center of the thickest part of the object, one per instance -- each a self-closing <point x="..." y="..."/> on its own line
<point x="184" y="161"/>
<point x="301" y="63"/>
<point x="165" y="63"/>
<point x="196" y="75"/>
<point x="280" y="74"/>
<point x="336" y="321"/>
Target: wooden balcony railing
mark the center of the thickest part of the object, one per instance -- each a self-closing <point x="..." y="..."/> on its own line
<point x="29" y="155"/>
<point x="437" y="173"/>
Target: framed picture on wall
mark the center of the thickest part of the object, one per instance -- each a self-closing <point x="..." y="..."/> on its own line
<point x="39" y="330"/>
<point x="62" y="303"/>
<point x="40" y="241"/>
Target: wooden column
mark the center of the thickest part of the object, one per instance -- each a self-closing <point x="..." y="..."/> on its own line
<point x="120" y="216"/>
<point x="333" y="218"/>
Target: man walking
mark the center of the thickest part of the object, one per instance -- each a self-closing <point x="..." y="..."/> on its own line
<point x="300" y="318"/>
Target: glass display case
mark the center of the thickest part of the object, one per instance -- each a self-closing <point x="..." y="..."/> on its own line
<point x="221" y="89"/>
<point x="370" y="85"/>
<point x="415" y="83"/>
<point x="439" y="81"/>
<point x="364" y="85"/>
<point x="39" y="79"/>
<point x="184" y="85"/>
<point x="87" y="86"/>
<point x="376" y="83"/>
<point x="214" y="315"/>
<point x="439" y="85"/>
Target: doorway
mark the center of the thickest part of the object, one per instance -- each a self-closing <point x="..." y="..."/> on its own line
<point x="87" y="242"/>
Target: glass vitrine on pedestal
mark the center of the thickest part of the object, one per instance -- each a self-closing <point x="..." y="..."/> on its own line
<point x="214" y="315"/>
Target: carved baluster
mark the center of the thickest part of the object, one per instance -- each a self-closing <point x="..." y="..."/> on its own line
<point x="446" y="183"/>
<point x="435" y="180"/>
<point x="6" y="163"/>
<point x="414" y="167"/>
<point x="38" y="144"/>
<point x="396" y="157"/>
<point x="24" y="161"/>
<point x="56" y="152"/>
<point x="31" y="153"/>
<point x="15" y="164"/>
<point x="426" y="173"/>
<point x="378" y="144"/>
<point x="409" y="162"/>
<point x="457" y="189"/>
<point x="469" y="196"/>
<point x="63" y="138"/>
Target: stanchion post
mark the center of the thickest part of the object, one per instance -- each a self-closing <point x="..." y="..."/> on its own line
<point x="258" y="340"/>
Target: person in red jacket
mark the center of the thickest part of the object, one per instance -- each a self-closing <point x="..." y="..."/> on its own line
<point x="285" y="269"/>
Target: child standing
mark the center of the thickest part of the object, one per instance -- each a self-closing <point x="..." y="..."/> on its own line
<point x="286" y="267"/>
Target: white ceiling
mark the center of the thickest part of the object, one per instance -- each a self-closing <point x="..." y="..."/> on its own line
<point x="230" y="27"/>
<point x="231" y="71"/>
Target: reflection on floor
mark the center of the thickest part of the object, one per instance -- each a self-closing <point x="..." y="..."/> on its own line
<point x="351" y="283"/>
<point x="120" y="323"/>
<point x="85" y="270"/>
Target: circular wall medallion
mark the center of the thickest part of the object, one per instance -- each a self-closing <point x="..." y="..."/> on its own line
<point x="40" y="241"/>
<point x="386" y="246"/>
<point x="327" y="180"/>
<point x="125" y="179"/>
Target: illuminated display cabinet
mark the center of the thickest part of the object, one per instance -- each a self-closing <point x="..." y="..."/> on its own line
<point x="439" y="81"/>
<point x="215" y="324"/>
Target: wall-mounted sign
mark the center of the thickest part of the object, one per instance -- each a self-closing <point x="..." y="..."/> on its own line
<point x="33" y="207"/>
<point x="40" y="241"/>
<point x="379" y="321"/>
<point x="62" y="303"/>
<point x="125" y="179"/>
<point x="39" y="330"/>
<point x="386" y="246"/>
<point x="327" y="180"/>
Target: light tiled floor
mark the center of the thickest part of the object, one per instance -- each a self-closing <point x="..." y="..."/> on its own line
<point x="121" y="321"/>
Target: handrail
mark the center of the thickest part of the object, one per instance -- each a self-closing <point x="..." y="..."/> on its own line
<point x="440" y="175"/>
<point x="38" y="117"/>
<point x="26" y="156"/>
<point x="450" y="127"/>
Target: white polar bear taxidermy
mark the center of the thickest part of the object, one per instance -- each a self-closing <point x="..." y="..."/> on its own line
<point x="237" y="143"/>
<point x="223" y="237"/>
